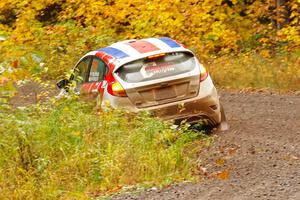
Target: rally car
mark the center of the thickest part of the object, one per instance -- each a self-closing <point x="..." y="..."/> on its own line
<point x="156" y="74"/>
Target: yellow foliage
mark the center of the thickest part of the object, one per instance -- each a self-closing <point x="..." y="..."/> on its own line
<point x="207" y="25"/>
<point x="60" y="31"/>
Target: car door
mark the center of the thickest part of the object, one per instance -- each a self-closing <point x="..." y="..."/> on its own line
<point x="96" y="73"/>
<point x="80" y="73"/>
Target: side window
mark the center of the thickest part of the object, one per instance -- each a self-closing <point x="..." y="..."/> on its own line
<point x="82" y="70"/>
<point x="98" y="70"/>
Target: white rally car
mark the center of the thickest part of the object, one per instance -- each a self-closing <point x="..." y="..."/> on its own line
<point x="156" y="74"/>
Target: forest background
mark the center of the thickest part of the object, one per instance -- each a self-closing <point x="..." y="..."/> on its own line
<point x="244" y="43"/>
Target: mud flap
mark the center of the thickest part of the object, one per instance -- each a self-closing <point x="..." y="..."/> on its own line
<point x="223" y="126"/>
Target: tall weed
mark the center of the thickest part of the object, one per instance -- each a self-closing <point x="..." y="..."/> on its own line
<point x="280" y="71"/>
<point x="68" y="149"/>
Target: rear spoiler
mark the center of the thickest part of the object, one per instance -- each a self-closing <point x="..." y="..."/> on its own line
<point x="119" y="63"/>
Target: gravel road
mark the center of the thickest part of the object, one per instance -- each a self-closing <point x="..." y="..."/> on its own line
<point x="258" y="158"/>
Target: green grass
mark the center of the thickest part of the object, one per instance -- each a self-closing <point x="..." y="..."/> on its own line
<point x="67" y="149"/>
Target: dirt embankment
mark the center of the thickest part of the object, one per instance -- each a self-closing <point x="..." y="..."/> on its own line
<point x="258" y="158"/>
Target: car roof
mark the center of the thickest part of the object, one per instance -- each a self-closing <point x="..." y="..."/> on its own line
<point x="128" y="50"/>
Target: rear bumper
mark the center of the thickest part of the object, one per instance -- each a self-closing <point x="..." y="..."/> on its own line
<point x="204" y="106"/>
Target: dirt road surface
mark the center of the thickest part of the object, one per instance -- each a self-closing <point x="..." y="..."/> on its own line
<point x="258" y="158"/>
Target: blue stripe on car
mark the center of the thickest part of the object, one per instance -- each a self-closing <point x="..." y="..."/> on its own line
<point x="114" y="52"/>
<point x="169" y="42"/>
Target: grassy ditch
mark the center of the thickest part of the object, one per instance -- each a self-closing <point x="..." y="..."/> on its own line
<point x="67" y="149"/>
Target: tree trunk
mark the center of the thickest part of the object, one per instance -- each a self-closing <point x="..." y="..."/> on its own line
<point x="280" y="13"/>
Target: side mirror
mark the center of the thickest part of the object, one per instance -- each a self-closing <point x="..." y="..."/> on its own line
<point x="62" y="83"/>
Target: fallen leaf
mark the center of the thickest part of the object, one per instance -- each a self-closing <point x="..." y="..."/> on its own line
<point x="203" y="170"/>
<point x="232" y="151"/>
<point x="293" y="157"/>
<point x="220" y="161"/>
<point x="223" y="175"/>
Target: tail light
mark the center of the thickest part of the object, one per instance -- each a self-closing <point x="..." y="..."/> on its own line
<point x="116" y="89"/>
<point x="156" y="56"/>
<point x="203" y="73"/>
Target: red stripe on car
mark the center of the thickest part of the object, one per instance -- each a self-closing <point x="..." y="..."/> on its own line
<point x="105" y="57"/>
<point x="143" y="46"/>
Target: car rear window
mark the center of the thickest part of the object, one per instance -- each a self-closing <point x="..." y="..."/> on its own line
<point x="166" y="65"/>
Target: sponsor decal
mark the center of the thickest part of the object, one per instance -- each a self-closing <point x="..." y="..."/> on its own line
<point x="152" y="68"/>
